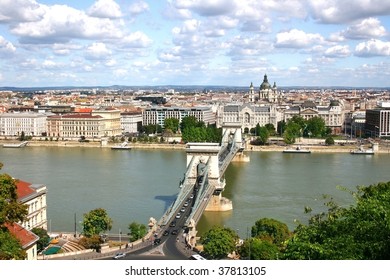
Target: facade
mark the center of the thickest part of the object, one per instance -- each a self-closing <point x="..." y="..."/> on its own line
<point x="157" y="115"/>
<point x="248" y="115"/>
<point x="111" y="120"/>
<point x="131" y="121"/>
<point x="32" y="124"/>
<point x="378" y="122"/>
<point x="74" y="126"/>
<point x="34" y="196"/>
<point x="333" y="115"/>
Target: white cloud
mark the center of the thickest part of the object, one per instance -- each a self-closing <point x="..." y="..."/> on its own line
<point x="137" y="39"/>
<point x="373" y="48"/>
<point x="336" y="11"/>
<point x="367" y="29"/>
<point x="207" y="7"/>
<point x="6" y="47"/>
<point x="20" y="10"/>
<point x="297" y="39"/>
<point x="62" y="23"/>
<point x="338" y="51"/>
<point x="97" y="51"/>
<point x="105" y="9"/>
<point x="139" y="8"/>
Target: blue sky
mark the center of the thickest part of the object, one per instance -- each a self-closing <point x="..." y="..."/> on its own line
<point x="194" y="42"/>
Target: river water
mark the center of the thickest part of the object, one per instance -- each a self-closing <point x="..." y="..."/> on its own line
<point x="138" y="184"/>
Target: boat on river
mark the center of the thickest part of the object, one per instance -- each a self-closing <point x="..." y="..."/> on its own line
<point x="15" y="145"/>
<point x="123" y="146"/>
<point x="297" y="150"/>
<point x="362" y="151"/>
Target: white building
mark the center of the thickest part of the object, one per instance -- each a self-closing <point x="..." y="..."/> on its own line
<point x="131" y="121"/>
<point x="32" y="124"/>
<point x="34" y="196"/>
<point x="157" y="115"/>
<point x="248" y="115"/>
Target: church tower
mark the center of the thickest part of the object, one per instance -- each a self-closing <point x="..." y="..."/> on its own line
<point x="251" y="93"/>
<point x="267" y="92"/>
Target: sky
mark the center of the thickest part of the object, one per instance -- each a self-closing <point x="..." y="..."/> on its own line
<point x="194" y="42"/>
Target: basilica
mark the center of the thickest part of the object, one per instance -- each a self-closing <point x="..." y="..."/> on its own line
<point x="267" y="105"/>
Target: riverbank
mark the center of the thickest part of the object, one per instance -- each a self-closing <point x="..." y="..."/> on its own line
<point x="383" y="149"/>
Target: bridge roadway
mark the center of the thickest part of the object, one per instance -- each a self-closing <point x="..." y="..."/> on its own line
<point x="202" y="188"/>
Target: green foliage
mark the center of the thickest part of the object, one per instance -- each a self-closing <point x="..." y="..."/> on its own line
<point x="96" y="222"/>
<point x="329" y="141"/>
<point x="137" y="231"/>
<point x="315" y="127"/>
<point x="358" y="232"/>
<point x="10" y="248"/>
<point x="194" y="131"/>
<point x="271" y="129"/>
<point x="44" y="238"/>
<point x="270" y="229"/>
<point x="258" y="249"/>
<point x="218" y="242"/>
<point x="263" y="135"/>
<point x="171" y="124"/>
<point x="92" y="242"/>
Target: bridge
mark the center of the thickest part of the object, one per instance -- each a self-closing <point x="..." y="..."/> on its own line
<point x="203" y="180"/>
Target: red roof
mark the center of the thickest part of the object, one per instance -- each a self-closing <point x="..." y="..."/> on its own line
<point x="25" y="237"/>
<point x="23" y="189"/>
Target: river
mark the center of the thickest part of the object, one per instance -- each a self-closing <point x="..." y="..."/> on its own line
<point x="138" y="184"/>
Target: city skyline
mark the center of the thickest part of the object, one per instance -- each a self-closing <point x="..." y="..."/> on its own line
<point x="322" y="43"/>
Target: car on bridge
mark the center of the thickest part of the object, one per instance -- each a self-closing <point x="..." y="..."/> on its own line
<point x="157" y="241"/>
<point x="175" y="232"/>
<point x="172" y="224"/>
<point x="178" y="215"/>
<point x="166" y="232"/>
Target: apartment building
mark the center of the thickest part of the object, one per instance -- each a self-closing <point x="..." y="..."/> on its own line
<point x="75" y="126"/>
<point x="32" y="124"/>
<point x="157" y="115"/>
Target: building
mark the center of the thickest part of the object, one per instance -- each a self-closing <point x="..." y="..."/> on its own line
<point x="248" y="115"/>
<point x="157" y="115"/>
<point x="28" y="240"/>
<point x="131" y="121"/>
<point x="111" y="120"/>
<point x="75" y="126"/>
<point x="333" y="114"/>
<point x="31" y="124"/>
<point x="378" y="121"/>
<point x="266" y="93"/>
<point x="34" y="196"/>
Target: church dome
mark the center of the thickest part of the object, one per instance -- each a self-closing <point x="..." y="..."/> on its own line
<point x="265" y="84"/>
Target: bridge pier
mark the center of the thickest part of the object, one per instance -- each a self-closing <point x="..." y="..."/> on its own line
<point x="218" y="203"/>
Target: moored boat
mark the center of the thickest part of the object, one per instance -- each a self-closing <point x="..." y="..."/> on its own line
<point x="362" y="151"/>
<point x="15" y="145"/>
<point x="297" y="150"/>
<point x="123" y="146"/>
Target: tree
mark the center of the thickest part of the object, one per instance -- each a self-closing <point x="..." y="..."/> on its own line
<point x="187" y="122"/>
<point x="11" y="211"/>
<point x="218" y="242"/>
<point x="96" y="222"/>
<point x="271" y="128"/>
<point x="358" y="232"/>
<point x="44" y="238"/>
<point x="329" y="141"/>
<point x="263" y="135"/>
<point x="171" y="124"/>
<point x="315" y="127"/>
<point x="137" y="231"/>
<point x="258" y="249"/>
<point x="270" y="229"/>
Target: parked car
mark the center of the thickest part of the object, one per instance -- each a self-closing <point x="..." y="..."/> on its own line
<point x="119" y="256"/>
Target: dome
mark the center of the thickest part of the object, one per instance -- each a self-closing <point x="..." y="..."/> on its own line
<point x="265" y="84"/>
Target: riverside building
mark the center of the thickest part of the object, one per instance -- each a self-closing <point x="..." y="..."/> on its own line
<point x="32" y="124"/>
